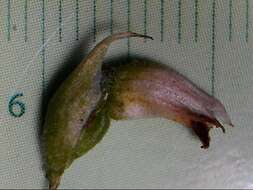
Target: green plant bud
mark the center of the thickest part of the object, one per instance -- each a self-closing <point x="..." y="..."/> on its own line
<point x="74" y="121"/>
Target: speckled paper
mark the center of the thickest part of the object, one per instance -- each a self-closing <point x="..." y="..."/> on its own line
<point x="209" y="41"/>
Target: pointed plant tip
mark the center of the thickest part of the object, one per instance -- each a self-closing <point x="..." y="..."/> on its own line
<point x="54" y="184"/>
<point x="149" y="37"/>
<point x="129" y="34"/>
<point x="143" y="36"/>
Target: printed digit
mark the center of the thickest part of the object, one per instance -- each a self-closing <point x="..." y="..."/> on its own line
<point x="14" y="103"/>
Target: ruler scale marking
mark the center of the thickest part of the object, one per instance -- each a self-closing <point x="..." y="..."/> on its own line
<point x="8" y="20"/>
<point x="128" y="26"/>
<point x="213" y="45"/>
<point x="162" y="19"/>
<point x="77" y="20"/>
<point x="247" y="21"/>
<point x="25" y="19"/>
<point x="43" y="53"/>
<point x="94" y="20"/>
<point x="230" y="19"/>
<point x="196" y="20"/>
<point x="145" y="23"/>
<point x="111" y="16"/>
<point x="145" y="19"/>
<point x="179" y="22"/>
<point x="60" y="20"/>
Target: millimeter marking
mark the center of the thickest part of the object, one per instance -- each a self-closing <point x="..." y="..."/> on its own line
<point x="145" y="19"/>
<point x="247" y="21"/>
<point x="111" y="16"/>
<point x="179" y="22"/>
<point x="213" y="43"/>
<point x="162" y="19"/>
<point x="77" y="19"/>
<point x="94" y="20"/>
<point x="8" y="20"/>
<point x="230" y="19"/>
<point x="196" y="20"/>
<point x="128" y="26"/>
<point x="25" y="19"/>
<point x="60" y="20"/>
<point x="43" y="52"/>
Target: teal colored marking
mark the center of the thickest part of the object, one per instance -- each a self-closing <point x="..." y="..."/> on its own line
<point x="94" y="20"/>
<point x="179" y="22"/>
<point x="247" y="21"/>
<point x="162" y="19"/>
<point x="111" y="17"/>
<point x="60" y="20"/>
<point x="15" y="103"/>
<point x="8" y="20"/>
<point x="128" y="26"/>
<point x="25" y="19"/>
<point x="230" y="19"/>
<point x="145" y="19"/>
<point x="43" y="50"/>
<point x="213" y="43"/>
<point x="77" y="19"/>
<point x="196" y="20"/>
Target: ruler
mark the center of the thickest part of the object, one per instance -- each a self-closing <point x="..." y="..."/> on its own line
<point x="209" y="41"/>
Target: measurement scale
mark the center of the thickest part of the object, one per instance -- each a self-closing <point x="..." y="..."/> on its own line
<point x="210" y="42"/>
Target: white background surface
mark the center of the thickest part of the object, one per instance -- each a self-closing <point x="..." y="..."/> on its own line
<point x="152" y="153"/>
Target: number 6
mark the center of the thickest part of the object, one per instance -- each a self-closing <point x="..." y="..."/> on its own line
<point x="13" y="103"/>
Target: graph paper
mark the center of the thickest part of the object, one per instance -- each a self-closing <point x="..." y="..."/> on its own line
<point x="208" y="41"/>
